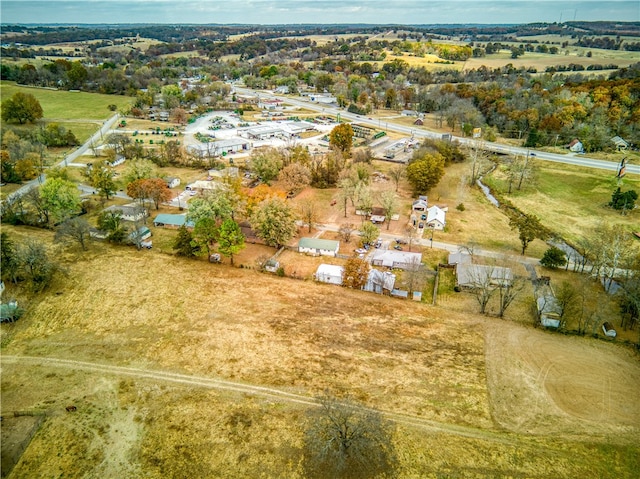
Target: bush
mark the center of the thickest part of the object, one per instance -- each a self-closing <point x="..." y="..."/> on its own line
<point x="460" y="207"/>
<point x="280" y="272"/>
<point x="553" y="258"/>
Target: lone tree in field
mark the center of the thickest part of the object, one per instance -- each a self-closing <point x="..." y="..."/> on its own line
<point x="74" y="230"/>
<point x="529" y="228"/>
<point x="345" y="441"/>
<point x="21" y="107"/>
<point x="184" y="244"/>
<point x="341" y="138"/>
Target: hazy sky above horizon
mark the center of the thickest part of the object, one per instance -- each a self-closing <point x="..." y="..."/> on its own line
<point x="315" y="11"/>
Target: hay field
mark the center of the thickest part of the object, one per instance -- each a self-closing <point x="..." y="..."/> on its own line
<point x="453" y="382"/>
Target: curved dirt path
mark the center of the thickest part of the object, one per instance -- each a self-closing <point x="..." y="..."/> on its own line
<point x="266" y="392"/>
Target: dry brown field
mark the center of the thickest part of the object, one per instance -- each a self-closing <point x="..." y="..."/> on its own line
<point x="180" y="368"/>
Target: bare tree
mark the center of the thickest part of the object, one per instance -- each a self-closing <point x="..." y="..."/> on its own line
<point x="414" y="275"/>
<point x="309" y="212"/>
<point x="397" y="173"/>
<point x="345" y="441"/>
<point x="345" y="231"/>
<point x="74" y="229"/>
<point x="389" y="202"/>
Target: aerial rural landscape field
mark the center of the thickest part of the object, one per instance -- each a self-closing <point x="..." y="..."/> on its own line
<point x="320" y="251"/>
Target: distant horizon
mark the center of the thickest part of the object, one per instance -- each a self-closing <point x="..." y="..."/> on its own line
<point x="313" y="12"/>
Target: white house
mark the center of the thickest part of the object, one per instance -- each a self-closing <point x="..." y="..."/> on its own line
<point x="117" y="161"/>
<point x="436" y="218"/>
<point x="318" y="247"/>
<point x="129" y="212"/>
<point x="329" y="273"/>
<point x="395" y="259"/>
<point x="576" y="146"/>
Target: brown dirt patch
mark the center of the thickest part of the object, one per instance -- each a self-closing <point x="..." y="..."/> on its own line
<point x="544" y="383"/>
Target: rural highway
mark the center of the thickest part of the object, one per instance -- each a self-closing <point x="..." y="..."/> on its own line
<point x="81" y="150"/>
<point x="421" y="132"/>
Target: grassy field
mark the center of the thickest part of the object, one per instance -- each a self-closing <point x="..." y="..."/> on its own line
<point x="568" y="199"/>
<point x="65" y="105"/>
<point x="471" y="396"/>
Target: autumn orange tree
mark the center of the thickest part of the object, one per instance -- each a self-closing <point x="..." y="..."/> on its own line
<point x="356" y="272"/>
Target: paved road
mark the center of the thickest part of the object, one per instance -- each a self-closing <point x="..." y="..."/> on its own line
<point x="81" y="150"/>
<point x="421" y="132"/>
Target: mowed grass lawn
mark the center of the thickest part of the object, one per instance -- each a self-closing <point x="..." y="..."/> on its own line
<point x="570" y="200"/>
<point x="65" y="105"/>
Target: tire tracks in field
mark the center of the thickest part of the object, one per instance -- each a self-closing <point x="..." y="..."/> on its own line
<point x="262" y="391"/>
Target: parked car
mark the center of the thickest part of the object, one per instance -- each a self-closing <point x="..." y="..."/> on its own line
<point x="361" y="251"/>
<point x="421" y="225"/>
<point x="398" y="247"/>
<point x="401" y="241"/>
<point x="146" y="244"/>
<point x="423" y="217"/>
<point x="378" y="243"/>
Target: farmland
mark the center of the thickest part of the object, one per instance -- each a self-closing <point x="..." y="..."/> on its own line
<point x="454" y="382"/>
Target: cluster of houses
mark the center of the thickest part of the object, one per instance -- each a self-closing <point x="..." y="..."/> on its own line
<point x="425" y="216"/>
<point x="378" y="281"/>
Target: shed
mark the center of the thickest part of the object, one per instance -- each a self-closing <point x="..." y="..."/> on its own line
<point x="576" y="146"/>
<point x="318" y="247"/>
<point x="620" y="143"/>
<point x="420" y="204"/>
<point x="436" y="218"/>
<point x="549" y="311"/>
<point x="400" y="293"/>
<point x="607" y="329"/>
<point x="172" y="221"/>
<point x="140" y="234"/>
<point x="417" y="296"/>
<point x="377" y="215"/>
<point x="172" y="182"/>
<point x="459" y="257"/>
<point x="395" y="259"/>
<point x="329" y="273"/>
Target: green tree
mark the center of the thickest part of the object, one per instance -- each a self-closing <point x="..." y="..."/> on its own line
<point x="101" y="178"/>
<point x="389" y="203"/>
<point x="60" y="198"/>
<point x="356" y="273"/>
<point x="266" y="163"/>
<point x="529" y="228"/>
<point x="623" y="201"/>
<point x="369" y="233"/>
<point x="274" y="221"/>
<point x="205" y="234"/>
<point x="425" y="172"/>
<point x="230" y="239"/>
<point x="184" y="244"/>
<point x="21" y="107"/>
<point x="111" y="223"/>
<point x="341" y="138"/>
<point x="553" y="258"/>
<point x="345" y="441"/>
<point x="215" y="206"/>
<point x="9" y="261"/>
<point x="74" y="229"/>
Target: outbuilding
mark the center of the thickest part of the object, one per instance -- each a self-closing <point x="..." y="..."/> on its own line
<point x="128" y="212"/>
<point x="607" y="329"/>
<point x="396" y="259"/>
<point x="166" y="220"/>
<point x="329" y="273"/>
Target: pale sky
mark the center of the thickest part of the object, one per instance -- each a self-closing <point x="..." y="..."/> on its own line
<point x="314" y="11"/>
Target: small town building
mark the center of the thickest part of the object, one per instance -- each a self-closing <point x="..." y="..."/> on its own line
<point x="620" y="143"/>
<point x="420" y="205"/>
<point x="576" y="146"/>
<point x="318" y="247"/>
<point x="131" y="212"/>
<point x="166" y="220"/>
<point x="396" y="259"/>
<point x="329" y="273"/>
